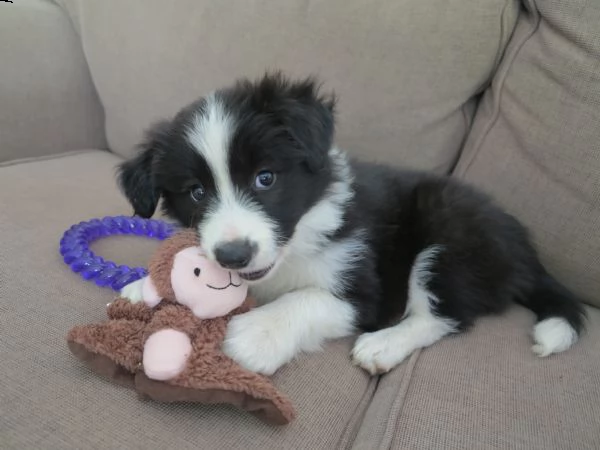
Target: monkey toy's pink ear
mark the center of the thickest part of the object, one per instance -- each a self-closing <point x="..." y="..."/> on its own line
<point x="149" y="293"/>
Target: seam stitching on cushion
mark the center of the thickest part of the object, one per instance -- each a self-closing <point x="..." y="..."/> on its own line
<point x="504" y="38"/>
<point x="503" y="24"/>
<point x="499" y="51"/>
<point x="498" y="96"/>
<point x="67" y="13"/>
<point x="468" y="123"/>
<point x="398" y="404"/>
<point x="78" y="29"/>
<point x="352" y="427"/>
<point x="16" y="162"/>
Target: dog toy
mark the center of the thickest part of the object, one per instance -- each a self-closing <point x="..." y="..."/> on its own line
<point x="168" y="347"/>
<point x="76" y="253"/>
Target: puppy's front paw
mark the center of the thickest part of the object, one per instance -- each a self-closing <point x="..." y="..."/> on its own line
<point x="133" y="291"/>
<point x="256" y="341"/>
<point x="377" y="352"/>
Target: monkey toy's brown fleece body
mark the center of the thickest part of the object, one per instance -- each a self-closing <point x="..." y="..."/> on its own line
<point x="114" y="349"/>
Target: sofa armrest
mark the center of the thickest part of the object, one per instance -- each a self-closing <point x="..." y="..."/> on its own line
<point x="48" y="103"/>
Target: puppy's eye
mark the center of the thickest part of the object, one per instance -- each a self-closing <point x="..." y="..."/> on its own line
<point x="197" y="193"/>
<point x="197" y="271"/>
<point x="264" y="180"/>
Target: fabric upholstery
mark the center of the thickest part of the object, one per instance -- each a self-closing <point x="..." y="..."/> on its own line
<point x="47" y="100"/>
<point x="535" y="143"/>
<point x="49" y="400"/>
<point x="406" y="71"/>
<point x="485" y="389"/>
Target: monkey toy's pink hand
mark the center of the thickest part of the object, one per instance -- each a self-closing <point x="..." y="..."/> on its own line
<point x="165" y="354"/>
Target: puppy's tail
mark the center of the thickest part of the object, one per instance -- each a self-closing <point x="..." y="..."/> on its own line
<point x="560" y="315"/>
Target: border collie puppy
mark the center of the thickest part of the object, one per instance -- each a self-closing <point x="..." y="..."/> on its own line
<point x="332" y="246"/>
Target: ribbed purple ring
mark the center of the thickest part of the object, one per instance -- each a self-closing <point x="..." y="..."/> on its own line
<point x="76" y="253"/>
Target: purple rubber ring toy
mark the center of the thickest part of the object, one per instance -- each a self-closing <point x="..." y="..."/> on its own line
<point x="76" y="253"/>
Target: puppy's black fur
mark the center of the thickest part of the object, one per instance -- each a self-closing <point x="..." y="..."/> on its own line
<point x="486" y="259"/>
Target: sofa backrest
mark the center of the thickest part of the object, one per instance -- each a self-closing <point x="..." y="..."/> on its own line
<point x="406" y="71"/>
<point x="535" y="143"/>
<point x="48" y="104"/>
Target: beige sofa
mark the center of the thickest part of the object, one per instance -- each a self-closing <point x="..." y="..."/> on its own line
<point x="502" y="93"/>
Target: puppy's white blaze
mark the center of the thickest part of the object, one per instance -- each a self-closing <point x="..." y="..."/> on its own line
<point x="231" y="216"/>
<point x="265" y="338"/>
<point x="382" y="350"/>
<point x="553" y="335"/>
<point x="210" y="134"/>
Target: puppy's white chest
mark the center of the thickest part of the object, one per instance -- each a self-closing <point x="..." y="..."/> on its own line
<point x="290" y="276"/>
<point x="327" y="270"/>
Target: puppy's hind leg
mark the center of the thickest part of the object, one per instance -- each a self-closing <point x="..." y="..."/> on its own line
<point x="382" y="350"/>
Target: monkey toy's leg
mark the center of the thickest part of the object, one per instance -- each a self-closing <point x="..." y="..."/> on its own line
<point x="112" y="349"/>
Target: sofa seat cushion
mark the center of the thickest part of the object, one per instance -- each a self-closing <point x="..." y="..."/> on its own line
<point x="407" y="72"/>
<point x="535" y="142"/>
<point x="485" y="389"/>
<point x="49" y="400"/>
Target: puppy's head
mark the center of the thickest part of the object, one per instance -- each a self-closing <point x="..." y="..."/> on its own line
<point x="243" y="165"/>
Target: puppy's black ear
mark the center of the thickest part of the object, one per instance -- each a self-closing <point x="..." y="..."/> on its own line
<point x="136" y="176"/>
<point x="312" y="123"/>
<point x="304" y="113"/>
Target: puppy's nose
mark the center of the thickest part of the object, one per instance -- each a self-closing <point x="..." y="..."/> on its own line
<point x="235" y="254"/>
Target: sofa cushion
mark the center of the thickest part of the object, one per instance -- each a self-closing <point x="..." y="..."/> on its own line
<point x="406" y="71"/>
<point x="535" y="143"/>
<point x="49" y="400"/>
<point x="48" y="102"/>
<point x="485" y="389"/>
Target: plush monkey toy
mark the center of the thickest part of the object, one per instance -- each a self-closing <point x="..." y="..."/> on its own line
<point x="168" y="347"/>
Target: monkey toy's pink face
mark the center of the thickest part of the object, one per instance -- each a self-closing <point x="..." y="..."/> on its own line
<point x="202" y="285"/>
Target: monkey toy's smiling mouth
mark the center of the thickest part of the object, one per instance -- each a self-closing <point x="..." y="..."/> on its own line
<point x="231" y="284"/>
